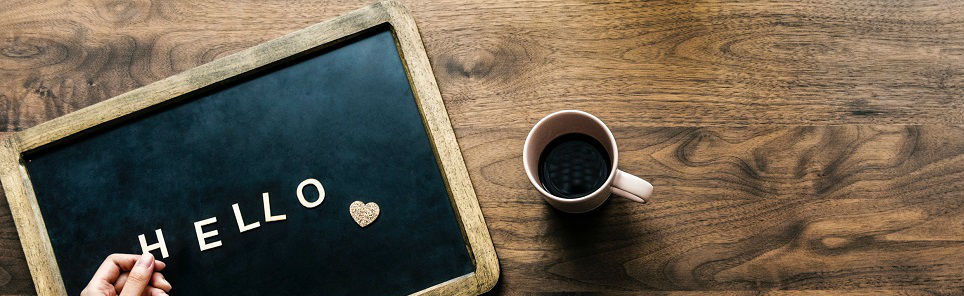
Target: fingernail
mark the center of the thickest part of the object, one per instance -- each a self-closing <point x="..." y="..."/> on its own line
<point x="146" y="260"/>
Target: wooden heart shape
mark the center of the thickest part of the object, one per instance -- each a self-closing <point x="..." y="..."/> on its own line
<point x="363" y="213"/>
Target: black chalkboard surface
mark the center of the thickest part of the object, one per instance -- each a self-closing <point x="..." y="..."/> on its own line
<point x="345" y="116"/>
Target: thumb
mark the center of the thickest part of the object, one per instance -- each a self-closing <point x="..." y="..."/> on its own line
<point x="139" y="276"/>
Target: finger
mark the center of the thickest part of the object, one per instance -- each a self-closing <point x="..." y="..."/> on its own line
<point x="151" y="291"/>
<point x="139" y="276"/>
<point x="111" y="268"/>
<point x="98" y="288"/>
<point x="119" y="284"/>
<point x="117" y="263"/>
<point x="158" y="281"/>
<point x="126" y="261"/>
<point x="122" y="279"/>
<point x="159" y="265"/>
<point x="103" y="279"/>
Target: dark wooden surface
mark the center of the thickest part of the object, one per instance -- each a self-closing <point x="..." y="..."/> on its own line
<point x="809" y="146"/>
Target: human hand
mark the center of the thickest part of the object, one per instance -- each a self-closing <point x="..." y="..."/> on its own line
<point x="128" y="275"/>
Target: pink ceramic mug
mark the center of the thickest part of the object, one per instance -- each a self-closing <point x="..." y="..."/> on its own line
<point x="575" y="121"/>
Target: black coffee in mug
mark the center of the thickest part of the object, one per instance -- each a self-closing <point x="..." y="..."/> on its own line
<point x="573" y="165"/>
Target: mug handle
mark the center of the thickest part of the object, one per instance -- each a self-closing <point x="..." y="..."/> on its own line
<point x="631" y="187"/>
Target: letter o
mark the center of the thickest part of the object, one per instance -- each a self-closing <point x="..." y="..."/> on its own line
<point x="301" y="195"/>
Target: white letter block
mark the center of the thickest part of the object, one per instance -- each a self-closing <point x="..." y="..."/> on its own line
<point x="160" y="244"/>
<point x="241" y="226"/>
<point x="203" y="235"/>
<point x="267" y="210"/>
<point x="301" y="196"/>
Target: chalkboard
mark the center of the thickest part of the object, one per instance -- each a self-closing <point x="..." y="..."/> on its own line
<point x="303" y="134"/>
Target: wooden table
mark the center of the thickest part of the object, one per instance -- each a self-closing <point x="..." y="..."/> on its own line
<point x="794" y="145"/>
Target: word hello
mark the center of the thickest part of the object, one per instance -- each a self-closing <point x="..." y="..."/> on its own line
<point x="204" y="237"/>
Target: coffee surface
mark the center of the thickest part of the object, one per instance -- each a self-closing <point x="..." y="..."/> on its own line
<point x="573" y="165"/>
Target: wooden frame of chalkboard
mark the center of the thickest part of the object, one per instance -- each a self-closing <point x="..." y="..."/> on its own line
<point x="26" y="211"/>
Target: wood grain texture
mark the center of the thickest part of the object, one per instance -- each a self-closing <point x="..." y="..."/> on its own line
<point x="796" y="147"/>
<point x="755" y="208"/>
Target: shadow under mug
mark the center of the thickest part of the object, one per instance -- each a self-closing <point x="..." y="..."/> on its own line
<point x="575" y="121"/>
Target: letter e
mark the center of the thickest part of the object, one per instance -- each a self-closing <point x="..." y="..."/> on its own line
<point x="201" y="235"/>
